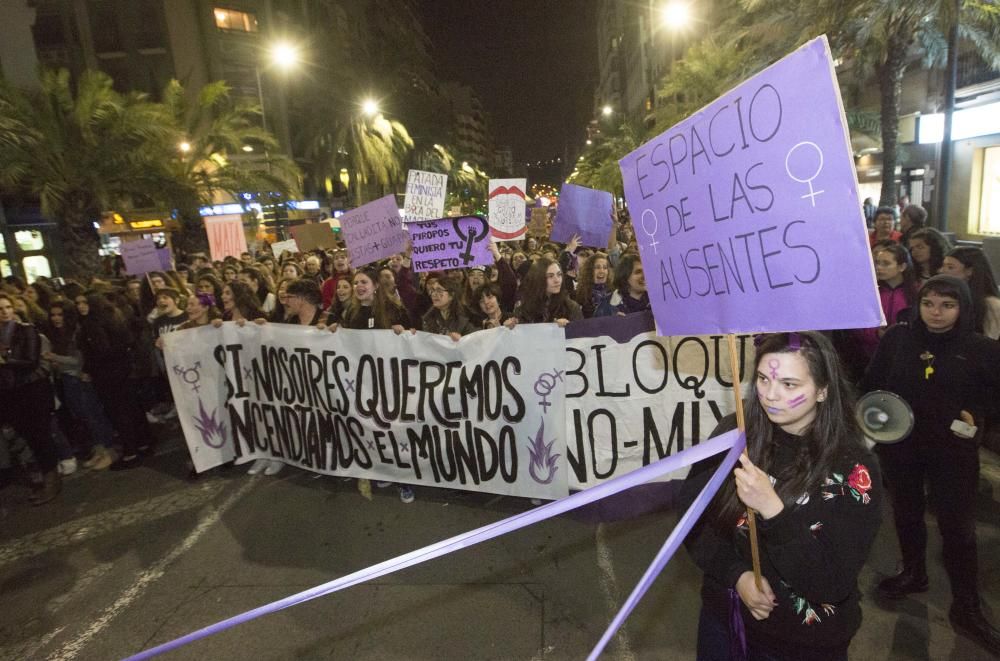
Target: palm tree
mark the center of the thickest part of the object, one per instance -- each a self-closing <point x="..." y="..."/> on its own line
<point x="218" y="133"/>
<point x="81" y="154"/>
<point x="877" y="38"/>
<point x="598" y="166"/>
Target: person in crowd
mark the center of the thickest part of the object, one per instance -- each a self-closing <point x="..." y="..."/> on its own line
<point x="630" y="293"/>
<point x="911" y="220"/>
<point x="312" y="266"/>
<point x="949" y="375"/>
<point x="106" y="344"/>
<point x="209" y="284"/>
<point x="372" y="308"/>
<point x="446" y="316"/>
<point x="490" y="305"/>
<point x="897" y="288"/>
<point x="387" y="283"/>
<point x="258" y="283"/>
<point x="341" y="271"/>
<point x="303" y="299"/>
<point x="199" y="261"/>
<point x="39" y="294"/>
<point x="406" y="283"/>
<point x="869" y="210"/>
<point x="27" y="396"/>
<point x="290" y="270"/>
<point x="341" y="301"/>
<point x="593" y="290"/>
<point x="517" y="260"/>
<point x="171" y="316"/>
<point x="28" y="311"/>
<point x="971" y="264"/>
<point x="280" y="312"/>
<point x="817" y="496"/>
<point x="927" y="249"/>
<point x="230" y="271"/>
<point x="239" y="303"/>
<point x="885" y="222"/>
<point x="246" y="258"/>
<point x="75" y="390"/>
<point x="543" y="298"/>
<point x="201" y="311"/>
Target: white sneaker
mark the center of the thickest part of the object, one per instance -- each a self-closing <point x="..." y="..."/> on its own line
<point x="170" y="414"/>
<point x="273" y="467"/>
<point x="152" y="419"/>
<point x="258" y="466"/>
<point x="382" y="484"/>
<point x="67" y="466"/>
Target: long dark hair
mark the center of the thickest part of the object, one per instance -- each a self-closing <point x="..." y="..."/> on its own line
<point x="245" y="300"/>
<point x="384" y="308"/>
<point x="902" y="257"/>
<point x="939" y="245"/>
<point x="981" y="283"/>
<point x="536" y="303"/>
<point x="832" y="435"/>
<point x="62" y="338"/>
<point x="585" y="283"/>
<point x="624" y="271"/>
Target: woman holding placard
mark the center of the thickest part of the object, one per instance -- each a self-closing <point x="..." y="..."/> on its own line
<point x="816" y="492"/>
<point x="543" y="298"/>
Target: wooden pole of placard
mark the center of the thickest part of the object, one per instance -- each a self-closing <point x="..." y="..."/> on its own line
<point x="741" y="422"/>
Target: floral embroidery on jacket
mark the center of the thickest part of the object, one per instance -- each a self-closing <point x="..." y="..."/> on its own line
<point x="857" y="484"/>
<point x="807" y="610"/>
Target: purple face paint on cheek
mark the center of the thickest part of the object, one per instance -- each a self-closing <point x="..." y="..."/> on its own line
<point x="798" y="401"/>
<point x="774" y="365"/>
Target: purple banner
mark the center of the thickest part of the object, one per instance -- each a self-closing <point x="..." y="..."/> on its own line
<point x="373" y="231"/>
<point x="140" y="257"/>
<point x="583" y="211"/>
<point x="747" y="213"/>
<point x="450" y="243"/>
<point x="166" y="258"/>
<point x="732" y="442"/>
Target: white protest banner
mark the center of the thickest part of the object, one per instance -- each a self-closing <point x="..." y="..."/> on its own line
<point x="507" y="209"/>
<point x="417" y="409"/>
<point x="279" y="247"/>
<point x="747" y="213"/>
<point x="633" y="398"/>
<point x="425" y="193"/>
<point x="226" y="237"/>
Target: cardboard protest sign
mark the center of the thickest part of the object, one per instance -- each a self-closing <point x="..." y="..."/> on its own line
<point x="373" y="231"/>
<point x="507" y="221"/>
<point x="425" y="193"/>
<point x="747" y="213"/>
<point x="314" y="235"/>
<point x="376" y="405"/>
<point x="583" y="211"/>
<point x="226" y="237"/>
<point x="166" y="258"/>
<point x="633" y="398"/>
<point x="140" y="257"/>
<point x="279" y="247"/>
<point x="539" y="222"/>
<point x="450" y="243"/>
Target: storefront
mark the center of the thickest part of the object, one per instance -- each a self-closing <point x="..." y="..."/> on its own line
<point x="117" y="227"/>
<point x="28" y="244"/>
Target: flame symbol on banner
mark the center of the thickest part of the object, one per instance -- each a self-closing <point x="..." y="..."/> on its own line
<point x="212" y="431"/>
<point x="542" y="458"/>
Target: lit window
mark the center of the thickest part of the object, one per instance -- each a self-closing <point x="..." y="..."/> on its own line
<point x="238" y="21"/>
<point x="35" y="267"/>
<point x="29" y="240"/>
<point x="989" y="201"/>
<point x="3" y="244"/>
<point x="5" y="268"/>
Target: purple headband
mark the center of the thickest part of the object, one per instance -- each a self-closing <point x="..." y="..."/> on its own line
<point x="207" y="300"/>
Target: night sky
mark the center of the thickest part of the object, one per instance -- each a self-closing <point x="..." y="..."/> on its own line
<point x="533" y="64"/>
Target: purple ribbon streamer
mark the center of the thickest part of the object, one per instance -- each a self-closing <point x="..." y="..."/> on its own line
<point x="673" y="542"/>
<point x="737" y="629"/>
<point x="732" y="441"/>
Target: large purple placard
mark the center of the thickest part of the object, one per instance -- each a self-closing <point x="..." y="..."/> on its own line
<point x="373" y="231"/>
<point x="583" y="211"/>
<point x="747" y="213"/>
<point x="450" y="243"/>
<point x="140" y="257"/>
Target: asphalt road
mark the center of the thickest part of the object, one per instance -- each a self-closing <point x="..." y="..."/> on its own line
<point x="129" y="560"/>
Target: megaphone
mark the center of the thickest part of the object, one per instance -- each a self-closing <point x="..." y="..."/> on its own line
<point x="884" y="417"/>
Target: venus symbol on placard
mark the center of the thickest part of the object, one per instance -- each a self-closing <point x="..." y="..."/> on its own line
<point x="652" y="235"/>
<point x="802" y="165"/>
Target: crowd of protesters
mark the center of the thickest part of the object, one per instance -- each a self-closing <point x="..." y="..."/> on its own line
<point x="85" y="362"/>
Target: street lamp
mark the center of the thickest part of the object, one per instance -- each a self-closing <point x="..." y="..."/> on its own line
<point x="185" y="147"/>
<point x="675" y="15"/>
<point x="607" y="110"/>
<point x="369" y="107"/>
<point x="590" y="142"/>
<point x="284" y="55"/>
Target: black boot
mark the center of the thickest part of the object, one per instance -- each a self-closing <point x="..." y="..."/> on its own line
<point x="908" y="581"/>
<point x="967" y="617"/>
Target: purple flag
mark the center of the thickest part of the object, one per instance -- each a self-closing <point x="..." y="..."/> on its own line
<point x="373" y="231"/>
<point x="450" y="243"/>
<point x="583" y="211"/>
<point x="747" y="213"/>
<point x="166" y="257"/>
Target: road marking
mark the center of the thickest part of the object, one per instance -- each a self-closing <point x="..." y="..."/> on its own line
<point x="612" y="595"/>
<point x="88" y="527"/>
<point x="147" y="578"/>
